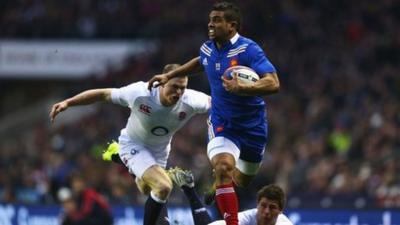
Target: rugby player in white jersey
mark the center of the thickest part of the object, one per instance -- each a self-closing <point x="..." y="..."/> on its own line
<point x="144" y="144"/>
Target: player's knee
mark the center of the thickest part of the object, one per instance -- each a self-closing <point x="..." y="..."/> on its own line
<point x="142" y="186"/>
<point x="163" y="189"/>
<point x="224" y="169"/>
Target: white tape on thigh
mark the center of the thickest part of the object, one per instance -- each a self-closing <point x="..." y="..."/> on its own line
<point x="219" y="145"/>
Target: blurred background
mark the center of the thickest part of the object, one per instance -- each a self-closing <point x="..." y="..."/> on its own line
<point x="334" y="140"/>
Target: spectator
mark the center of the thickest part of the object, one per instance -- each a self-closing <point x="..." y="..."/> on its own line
<point x="83" y="205"/>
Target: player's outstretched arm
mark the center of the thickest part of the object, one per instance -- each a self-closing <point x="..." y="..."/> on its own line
<point x="83" y="98"/>
<point x="187" y="69"/>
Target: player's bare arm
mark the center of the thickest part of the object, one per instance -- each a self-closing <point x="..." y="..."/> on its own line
<point x="268" y="84"/>
<point x="83" y="98"/>
<point x="191" y="67"/>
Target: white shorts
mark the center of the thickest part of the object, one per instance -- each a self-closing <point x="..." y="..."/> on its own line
<point x="219" y="145"/>
<point x="138" y="158"/>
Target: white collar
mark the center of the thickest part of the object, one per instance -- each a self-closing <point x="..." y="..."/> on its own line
<point x="235" y="38"/>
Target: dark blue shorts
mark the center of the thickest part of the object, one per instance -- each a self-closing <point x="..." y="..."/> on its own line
<point x="250" y="141"/>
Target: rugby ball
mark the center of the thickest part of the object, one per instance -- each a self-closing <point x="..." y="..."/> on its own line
<point x="244" y="74"/>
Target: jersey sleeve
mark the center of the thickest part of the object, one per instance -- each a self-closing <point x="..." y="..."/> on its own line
<point x="283" y="220"/>
<point x="258" y="61"/>
<point x="200" y="102"/>
<point x="126" y="96"/>
<point x="247" y="217"/>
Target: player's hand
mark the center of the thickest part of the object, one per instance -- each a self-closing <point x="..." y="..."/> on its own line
<point x="231" y="85"/>
<point x="56" y="109"/>
<point x="158" y="80"/>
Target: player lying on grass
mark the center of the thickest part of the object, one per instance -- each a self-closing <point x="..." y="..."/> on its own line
<point x="145" y="142"/>
<point x="269" y="211"/>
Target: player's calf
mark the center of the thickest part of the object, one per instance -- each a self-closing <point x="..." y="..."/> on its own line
<point x="159" y="182"/>
<point x="161" y="185"/>
<point x="242" y="180"/>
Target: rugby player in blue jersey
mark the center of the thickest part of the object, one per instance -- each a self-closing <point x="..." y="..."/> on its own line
<point x="237" y="124"/>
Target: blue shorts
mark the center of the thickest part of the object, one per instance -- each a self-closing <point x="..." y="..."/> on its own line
<point x="251" y="141"/>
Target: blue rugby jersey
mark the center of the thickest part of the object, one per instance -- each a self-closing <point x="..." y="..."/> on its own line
<point x="237" y="112"/>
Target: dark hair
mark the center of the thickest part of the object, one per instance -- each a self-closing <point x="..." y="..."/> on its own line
<point x="231" y="12"/>
<point x="274" y="193"/>
<point x="170" y="67"/>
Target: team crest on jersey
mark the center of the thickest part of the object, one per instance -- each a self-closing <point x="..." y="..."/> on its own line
<point x="145" y="109"/>
<point x="219" y="129"/>
<point x="233" y="62"/>
<point x="205" y="62"/>
<point x="182" y="115"/>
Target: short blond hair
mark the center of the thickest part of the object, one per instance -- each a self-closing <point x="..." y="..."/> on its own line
<point x="170" y="67"/>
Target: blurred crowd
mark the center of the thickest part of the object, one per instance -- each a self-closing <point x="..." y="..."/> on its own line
<point x="334" y="128"/>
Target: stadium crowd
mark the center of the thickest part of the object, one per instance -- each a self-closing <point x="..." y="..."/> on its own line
<point x="334" y="127"/>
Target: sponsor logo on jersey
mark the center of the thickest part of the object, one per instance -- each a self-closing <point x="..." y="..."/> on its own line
<point x="134" y="151"/>
<point x="145" y="109"/>
<point x="182" y="115"/>
<point x="226" y="215"/>
<point x="159" y="131"/>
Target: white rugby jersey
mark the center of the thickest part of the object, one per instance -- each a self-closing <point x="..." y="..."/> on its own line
<point x="249" y="217"/>
<point x="151" y="123"/>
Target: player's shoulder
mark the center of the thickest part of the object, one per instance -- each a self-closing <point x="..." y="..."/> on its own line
<point x="207" y="43"/>
<point x="191" y="95"/>
<point x="138" y="84"/>
<point x="245" y="47"/>
<point x="242" y="45"/>
<point x="139" y="87"/>
<point x="248" y="216"/>
<point x="245" y="40"/>
<point x="247" y="43"/>
<point x="141" y="84"/>
<point x="248" y="212"/>
<point x="207" y="48"/>
<point x="283" y="220"/>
